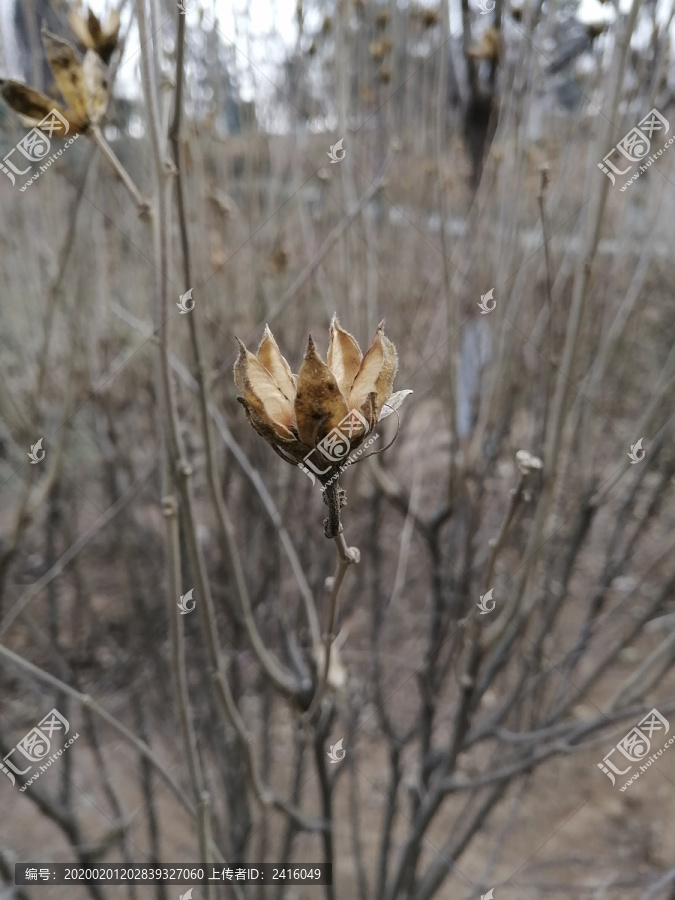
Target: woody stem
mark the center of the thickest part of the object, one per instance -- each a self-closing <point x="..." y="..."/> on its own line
<point x="332" y="525"/>
<point x="346" y="556"/>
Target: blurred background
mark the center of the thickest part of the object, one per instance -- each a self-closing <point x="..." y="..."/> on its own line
<point x="530" y="301"/>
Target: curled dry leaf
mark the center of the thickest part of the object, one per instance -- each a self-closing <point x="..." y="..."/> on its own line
<point x="394" y="402"/>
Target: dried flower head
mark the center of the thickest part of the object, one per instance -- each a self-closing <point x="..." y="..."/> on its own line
<point x="488" y="47"/>
<point x="294" y="413"/>
<point x="83" y="85"/>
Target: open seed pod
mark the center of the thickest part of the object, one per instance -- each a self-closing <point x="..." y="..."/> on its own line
<point x="328" y="407"/>
<point x="83" y="86"/>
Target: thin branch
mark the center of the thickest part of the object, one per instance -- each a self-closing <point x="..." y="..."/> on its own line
<point x="38" y="586"/>
<point x="346" y="557"/>
<point x="332" y="239"/>
<point x="142" y="205"/>
<point x="91" y="704"/>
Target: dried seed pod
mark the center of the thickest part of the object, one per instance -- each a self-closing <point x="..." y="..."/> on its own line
<point x="294" y="414"/>
<point x="84" y="87"/>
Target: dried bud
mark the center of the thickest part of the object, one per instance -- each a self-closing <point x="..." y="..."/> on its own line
<point x="376" y="50"/>
<point x="527" y="463"/>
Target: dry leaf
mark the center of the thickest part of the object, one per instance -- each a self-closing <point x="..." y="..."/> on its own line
<point x="278" y="261"/>
<point x="394" y="402"/>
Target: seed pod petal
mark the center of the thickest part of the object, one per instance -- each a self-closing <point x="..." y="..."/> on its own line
<point x="270" y="356"/>
<point x="79" y="28"/>
<point x="376" y="373"/>
<point x="271" y="432"/>
<point x="367" y="410"/>
<point x="112" y="25"/>
<point x="319" y="405"/>
<point x="94" y="27"/>
<point x="67" y="73"/>
<point x="344" y="357"/>
<point x="96" y="86"/>
<point x="32" y="105"/>
<point x="258" y="389"/>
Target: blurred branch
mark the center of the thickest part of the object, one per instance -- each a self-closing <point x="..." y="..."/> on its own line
<point x="38" y="586"/>
<point x="91" y="704"/>
<point x="332" y="238"/>
<point x="142" y="205"/>
<point x="250" y="472"/>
